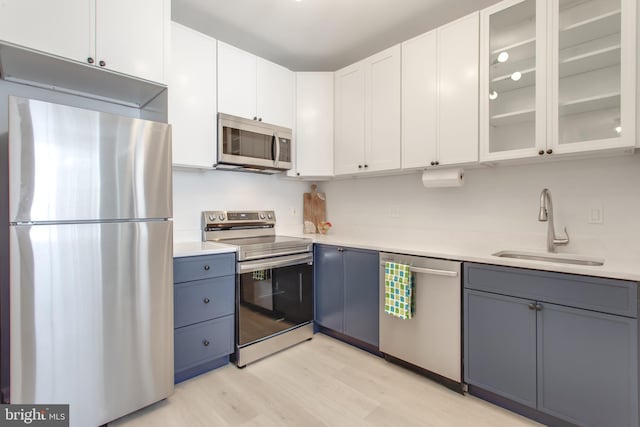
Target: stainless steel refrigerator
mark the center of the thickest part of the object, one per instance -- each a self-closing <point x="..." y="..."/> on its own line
<point x="91" y="270"/>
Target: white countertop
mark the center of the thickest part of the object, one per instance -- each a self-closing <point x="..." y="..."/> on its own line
<point x="184" y="249"/>
<point x="465" y="247"/>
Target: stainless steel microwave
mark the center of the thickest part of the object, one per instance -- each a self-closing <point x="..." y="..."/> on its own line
<point x="253" y="146"/>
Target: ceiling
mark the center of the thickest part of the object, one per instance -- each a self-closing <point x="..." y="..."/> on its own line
<point x="318" y="35"/>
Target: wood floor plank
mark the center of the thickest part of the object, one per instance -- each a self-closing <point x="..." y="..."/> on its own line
<point x="319" y="383"/>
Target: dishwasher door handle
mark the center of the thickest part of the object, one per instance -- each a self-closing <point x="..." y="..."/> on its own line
<point x="432" y="271"/>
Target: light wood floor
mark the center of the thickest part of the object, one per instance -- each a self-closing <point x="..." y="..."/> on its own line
<point x="322" y="382"/>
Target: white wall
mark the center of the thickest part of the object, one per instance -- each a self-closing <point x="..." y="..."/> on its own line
<point x="501" y="202"/>
<point x="195" y="191"/>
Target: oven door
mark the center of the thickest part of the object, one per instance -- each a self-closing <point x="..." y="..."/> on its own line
<point x="273" y="295"/>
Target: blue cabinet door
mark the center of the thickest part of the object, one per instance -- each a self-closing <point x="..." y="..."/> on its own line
<point x="500" y="345"/>
<point x="329" y="287"/>
<point x="587" y="366"/>
<point x="361" y="295"/>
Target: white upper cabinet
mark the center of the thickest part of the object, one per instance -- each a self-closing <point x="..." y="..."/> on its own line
<point x="349" y="119"/>
<point x="236" y="82"/>
<point x="558" y="77"/>
<point x="367" y="114"/>
<point x="440" y="96"/>
<point x="419" y="101"/>
<point x="192" y="98"/>
<point x="129" y="37"/>
<point x="382" y="106"/>
<point x="59" y="28"/>
<point x="458" y="57"/>
<point x="253" y="88"/>
<point x="513" y="77"/>
<point x="314" y="126"/>
<point x="274" y="93"/>
<point x="592" y="75"/>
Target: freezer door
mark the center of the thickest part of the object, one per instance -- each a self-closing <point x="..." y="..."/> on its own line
<point x="92" y="317"/>
<point x="71" y="164"/>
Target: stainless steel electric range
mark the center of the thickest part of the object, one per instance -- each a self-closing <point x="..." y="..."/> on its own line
<point x="274" y="282"/>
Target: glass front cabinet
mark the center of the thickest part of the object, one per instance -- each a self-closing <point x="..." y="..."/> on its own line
<point x="557" y="77"/>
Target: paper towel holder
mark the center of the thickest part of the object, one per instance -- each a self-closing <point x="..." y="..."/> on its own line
<point x="442" y="178"/>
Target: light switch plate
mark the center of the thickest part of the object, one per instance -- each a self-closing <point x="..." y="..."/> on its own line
<point x="595" y="215"/>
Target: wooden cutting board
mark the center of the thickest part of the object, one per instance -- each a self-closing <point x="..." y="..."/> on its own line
<point x="314" y="209"/>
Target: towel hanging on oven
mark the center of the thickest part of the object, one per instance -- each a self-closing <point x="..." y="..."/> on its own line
<point x="398" y="290"/>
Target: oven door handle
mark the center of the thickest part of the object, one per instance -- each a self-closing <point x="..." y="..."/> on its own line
<point x="264" y="264"/>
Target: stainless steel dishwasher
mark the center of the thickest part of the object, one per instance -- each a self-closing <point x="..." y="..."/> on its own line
<point x="431" y="339"/>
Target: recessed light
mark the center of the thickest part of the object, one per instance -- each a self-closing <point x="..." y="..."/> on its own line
<point x="493" y="95"/>
<point x="516" y="76"/>
<point x="503" y="56"/>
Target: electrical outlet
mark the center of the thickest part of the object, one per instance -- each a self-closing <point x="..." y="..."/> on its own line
<point x="595" y="215"/>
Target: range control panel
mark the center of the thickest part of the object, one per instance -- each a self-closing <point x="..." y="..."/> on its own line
<point x="230" y="219"/>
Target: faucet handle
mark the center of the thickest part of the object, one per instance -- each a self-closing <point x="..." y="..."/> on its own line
<point x="563" y="241"/>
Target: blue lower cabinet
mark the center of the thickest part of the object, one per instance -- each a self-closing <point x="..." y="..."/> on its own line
<point x="346" y="290"/>
<point x="500" y="349"/>
<point x="568" y="364"/>
<point x="361" y="295"/>
<point x="587" y="366"/>
<point x="202" y="347"/>
<point x="204" y="308"/>
<point x="329" y="287"/>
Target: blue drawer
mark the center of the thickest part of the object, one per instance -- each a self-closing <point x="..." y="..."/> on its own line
<point x="202" y="342"/>
<point x="203" y="267"/>
<point x="592" y="293"/>
<point x="201" y="300"/>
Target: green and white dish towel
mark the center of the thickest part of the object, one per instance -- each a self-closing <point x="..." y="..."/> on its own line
<point x="398" y="290"/>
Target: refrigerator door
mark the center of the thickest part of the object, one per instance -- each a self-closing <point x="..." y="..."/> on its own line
<point x="92" y="317"/>
<point x="71" y="164"/>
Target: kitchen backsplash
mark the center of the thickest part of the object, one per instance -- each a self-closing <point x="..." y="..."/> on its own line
<point x="501" y="203"/>
<point x="195" y="191"/>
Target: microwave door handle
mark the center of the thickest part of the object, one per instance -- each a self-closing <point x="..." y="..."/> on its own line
<point x="273" y="148"/>
<point x="277" y="138"/>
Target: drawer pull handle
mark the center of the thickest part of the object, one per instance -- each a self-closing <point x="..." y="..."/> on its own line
<point x="205" y="343"/>
<point x="206" y="300"/>
<point x="206" y="267"/>
<point x="532" y="306"/>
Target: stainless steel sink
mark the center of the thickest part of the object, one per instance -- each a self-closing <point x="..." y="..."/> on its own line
<point x="549" y="257"/>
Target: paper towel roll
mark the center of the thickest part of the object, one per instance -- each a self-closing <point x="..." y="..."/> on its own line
<point x="443" y="178"/>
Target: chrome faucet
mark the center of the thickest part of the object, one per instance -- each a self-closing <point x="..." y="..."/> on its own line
<point x="546" y="214"/>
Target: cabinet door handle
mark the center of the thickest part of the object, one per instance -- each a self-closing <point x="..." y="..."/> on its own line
<point x="206" y="300"/>
<point x="359" y="166"/>
<point x="549" y="151"/>
<point x="255" y="117"/>
<point x="206" y="267"/>
<point x="102" y="63"/>
<point x="259" y="119"/>
<point x="531" y="306"/>
<point x="437" y="163"/>
<point x="90" y="60"/>
<point x="433" y="163"/>
<point x="205" y="343"/>
<point x="366" y="166"/>
<point x="538" y="307"/>
<point x="541" y="152"/>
